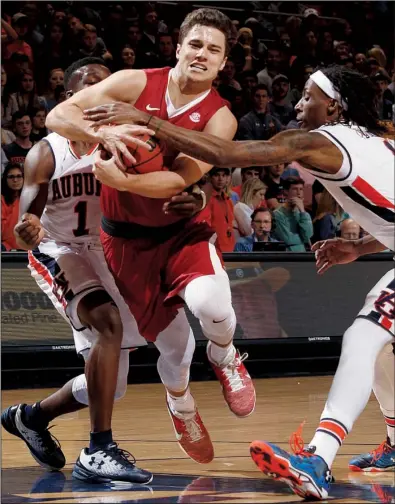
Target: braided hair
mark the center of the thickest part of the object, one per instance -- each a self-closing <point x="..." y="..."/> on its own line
<point x="359" y="93"/>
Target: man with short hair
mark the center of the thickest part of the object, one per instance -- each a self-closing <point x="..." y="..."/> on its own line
<point x="259" y="124"/>
<point x="261" y="223"/>
<point x="166" y="50"/>
<point x="293" y="224"/>
<point x="246" y="174"/>
<point x="279" y="106"/>
<point x="17" y="151"/>
<point x="221" y="208"/>
<point x="350" y="230"/>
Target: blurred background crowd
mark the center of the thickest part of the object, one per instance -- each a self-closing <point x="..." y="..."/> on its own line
<point x="275" y="46"/>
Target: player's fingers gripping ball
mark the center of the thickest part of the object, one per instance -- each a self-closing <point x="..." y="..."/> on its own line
<point x="147" y="161"/>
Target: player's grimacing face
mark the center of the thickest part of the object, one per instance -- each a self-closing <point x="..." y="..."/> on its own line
<point x="312" y="108"/>
<point x="201" y="55"/>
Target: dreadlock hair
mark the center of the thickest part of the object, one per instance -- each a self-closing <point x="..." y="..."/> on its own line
<point x="77" y="65"/>
<point x="359" y="93"/>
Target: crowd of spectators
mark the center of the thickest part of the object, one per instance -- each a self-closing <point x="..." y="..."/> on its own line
<point x="274" y="48"/>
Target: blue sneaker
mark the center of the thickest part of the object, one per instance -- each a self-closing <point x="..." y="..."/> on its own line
<point x="305" y="473"/>
<point x="380" y="459"/>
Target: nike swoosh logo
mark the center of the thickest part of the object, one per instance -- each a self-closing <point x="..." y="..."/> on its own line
<point x="218" y="321"/>
<point x="148" y="107"/>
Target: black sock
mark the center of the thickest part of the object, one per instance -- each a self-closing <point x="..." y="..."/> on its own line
<point x="100" y="440"/>
<point x="34" y="417"/>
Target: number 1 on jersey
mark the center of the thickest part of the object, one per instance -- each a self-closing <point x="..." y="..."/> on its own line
<point x="81" y="209"/>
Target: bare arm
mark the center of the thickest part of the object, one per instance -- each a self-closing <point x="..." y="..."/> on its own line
<point x="312" y="149"/>
<point x="185" y="171"/>
<point x="39" y="168"/>
<point x="369" y="245"/>
<point x="66" y="119"/>
<point x="10" y="32"/>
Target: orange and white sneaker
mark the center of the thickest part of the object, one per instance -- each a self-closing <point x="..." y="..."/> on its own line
<point x="237" y="385"/>
<point x="192" y="435"/>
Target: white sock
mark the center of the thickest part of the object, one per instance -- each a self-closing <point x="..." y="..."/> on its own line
<point x="328" y="438"/>
<point x="221" y="355"/>
<point x="390" y="423"/>
<point x="182" y="404"/>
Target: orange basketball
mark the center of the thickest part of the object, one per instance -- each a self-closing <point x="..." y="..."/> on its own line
<point x="147" y="161"/>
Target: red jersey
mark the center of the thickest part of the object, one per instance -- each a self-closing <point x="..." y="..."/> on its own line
<point x="127" y="207"/>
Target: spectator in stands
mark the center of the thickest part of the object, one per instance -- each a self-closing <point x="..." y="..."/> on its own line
<point x="258" y="124"/>
<point x="148" y="42"/>
<point x="293" y="223"/>
<point x="350" y="230"/>
<point x="166" y="50"/>
<point x="21" y="26"/>
<point x="246" y="174"/>
<point x="26" y="97"/>
<point x="360" y="63"/>
<point x="252" y="197"/>
<point x="385" y="98"/>
<point x="275" y="196"/>
<point x="75" y="33"/>
<point x="8" y="101"/>
<point x="92" y="45"/>
<point x="279" y="107"/>
<point x="11" y="188"/>
<point x="261" y="224"/>
<point x="307" y="53"/>
<point x="328" y="217"/>
<point x="8" y="34"/>
<point x="16" y="151"/>
<point x="39" y="130"/>
<point x="373" y="66"/>
<point x="55" y="51"/>
<point x="127" y="59"/>
<point x="56" y="78"/>
<point x="221" y="208"/>
<point x="4" y="160"/>
<point x="228" y="76"/>
<point x="300" y="81"/>
<point x="273" y="67"/>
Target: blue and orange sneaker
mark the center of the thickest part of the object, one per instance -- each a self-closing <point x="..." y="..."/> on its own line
<point x="307" y="475"/>
<point x="378" y="460"/>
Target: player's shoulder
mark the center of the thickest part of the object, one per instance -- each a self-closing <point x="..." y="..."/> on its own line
<point x="222" y="120"/>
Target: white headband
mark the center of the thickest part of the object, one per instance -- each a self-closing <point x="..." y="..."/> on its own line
<point x="326" y="86"/>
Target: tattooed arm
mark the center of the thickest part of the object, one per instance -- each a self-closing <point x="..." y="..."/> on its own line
<point x="311" y="149"/>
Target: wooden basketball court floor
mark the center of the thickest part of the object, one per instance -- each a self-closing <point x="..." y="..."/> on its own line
<point x="142" y="426"/>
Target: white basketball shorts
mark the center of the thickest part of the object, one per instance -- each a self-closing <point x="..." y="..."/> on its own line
<point x="380" y="303"/>
<point x="67" y="273"/>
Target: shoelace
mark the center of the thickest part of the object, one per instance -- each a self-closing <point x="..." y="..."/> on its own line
<point x="380" y="450"/>
<point x="234" y="378"/>
<point x="296" y="442"/>
<point x="48" y="442"/>
<point x="193" y="429"/>
<point x="120" y="456"/>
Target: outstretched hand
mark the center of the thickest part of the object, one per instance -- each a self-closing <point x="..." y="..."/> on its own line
<point x="334" y="251"/>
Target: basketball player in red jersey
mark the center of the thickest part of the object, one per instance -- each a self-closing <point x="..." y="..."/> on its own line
<point x="160" y="261"/>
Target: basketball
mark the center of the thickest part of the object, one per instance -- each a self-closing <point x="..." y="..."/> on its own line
<point x="147" y="161"/>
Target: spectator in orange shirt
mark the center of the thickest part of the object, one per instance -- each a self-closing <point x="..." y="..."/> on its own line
<point x="221" y="208"/>
<point x="20" y="23"/>
<point x="11" y="188"/>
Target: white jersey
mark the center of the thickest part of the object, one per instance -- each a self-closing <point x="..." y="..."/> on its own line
<point x="72" y="213"/>
<point x="364" y="185"/>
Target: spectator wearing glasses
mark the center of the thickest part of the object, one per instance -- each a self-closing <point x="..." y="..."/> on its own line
<point x="11" y="188"/>
<point x="262" y="227"/>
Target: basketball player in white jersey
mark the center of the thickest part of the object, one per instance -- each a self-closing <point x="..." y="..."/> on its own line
<point x="70" y="268"/>
<point x="342" y="143"/>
